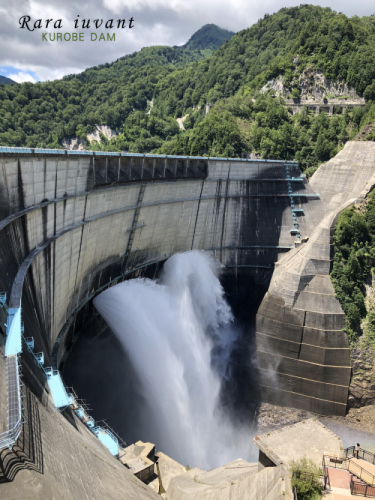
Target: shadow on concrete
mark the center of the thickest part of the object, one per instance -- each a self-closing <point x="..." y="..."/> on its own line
<point x="27" y="453"/>
<point x="69" y="415"/>
<point x="109" y="382"/>
<point x="240" y="392"/>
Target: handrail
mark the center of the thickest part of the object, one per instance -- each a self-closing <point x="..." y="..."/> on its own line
<point x="361" y="489"/>
<point x="351" y="466"/>
<point x="11" y="149"/>
<point x="325" y="470"/>
<point x="105" y="426"/>
<point x="362" y="453"/>
<point x="9" y="437"/>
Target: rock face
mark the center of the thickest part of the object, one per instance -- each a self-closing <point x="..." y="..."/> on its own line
<point x="362" y="386"/>
<point x="73" y="144"/>
<point x="366" y="133"/>
<point x="180" y="122"/>
<point x="361" y="419"/>
<point x="303" y="353"/>
<point x="78" y="144"/>
<point x="105" y="130"/>
<point x="312" y="84"/>
<point x="270" y="417"/>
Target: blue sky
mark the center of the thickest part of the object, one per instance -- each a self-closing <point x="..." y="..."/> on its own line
<point x="24" y="56"/>
<point x="16" y="74"/>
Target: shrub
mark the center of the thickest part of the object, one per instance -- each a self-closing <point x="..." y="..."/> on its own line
<point x="306" y="479"/>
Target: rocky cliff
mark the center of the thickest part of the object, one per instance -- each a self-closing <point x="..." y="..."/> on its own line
<point x="311" y="83"/>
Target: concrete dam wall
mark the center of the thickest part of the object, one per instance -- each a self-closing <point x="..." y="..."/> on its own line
<point x="73" y="224"/>
<point x="303" y="354"/>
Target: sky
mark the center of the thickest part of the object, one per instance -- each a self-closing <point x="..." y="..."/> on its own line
<point x="25" y="56"/>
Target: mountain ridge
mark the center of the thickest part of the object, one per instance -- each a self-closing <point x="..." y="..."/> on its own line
<point x="200" y="45"/>
<point x="5" y="80"/>
<point x="140" y="96"/>
<point x="210" y="36"/>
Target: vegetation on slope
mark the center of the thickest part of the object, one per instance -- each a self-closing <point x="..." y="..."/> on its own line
<point x="354" y="267"/>
<point x="306" y="479"/>
<point x="338" y="46"/>
<point x="264" y="126"/>
<point x="42" y="114"/>
<point x="5" y="80"/>
<point x="180" y="82"/>
<point x="209" y="37"/>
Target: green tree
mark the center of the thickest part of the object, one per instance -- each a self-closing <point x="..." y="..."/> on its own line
<point x="369" y="93"/>
<point x="306" y="478"/>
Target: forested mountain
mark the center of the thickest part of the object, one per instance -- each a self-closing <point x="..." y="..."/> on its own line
<point x="354" y="242"/>
<point x="5" y="80"/>
<point x="140" y="96"/>
<point x="209" y="36"/>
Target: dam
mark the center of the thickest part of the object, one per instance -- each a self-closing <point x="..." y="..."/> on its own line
<point x="75" y="223"/>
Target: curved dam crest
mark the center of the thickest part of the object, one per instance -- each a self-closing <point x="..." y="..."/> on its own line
<point x="74" y="225"/>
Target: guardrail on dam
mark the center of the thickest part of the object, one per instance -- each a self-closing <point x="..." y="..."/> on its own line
<point x="73" y="223"/>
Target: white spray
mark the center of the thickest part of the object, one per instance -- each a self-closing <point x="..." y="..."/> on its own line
<point x="169" y="330"/>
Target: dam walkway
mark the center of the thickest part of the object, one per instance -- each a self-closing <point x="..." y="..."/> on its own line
<point x="350" y="475"/>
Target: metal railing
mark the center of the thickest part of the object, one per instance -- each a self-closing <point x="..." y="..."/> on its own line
<point x="351" y="466"/>
<point x="104" y="425"/>
<point x="325" y="472"/>
<point x="361" y="489"/>
<point x="15" y="420"/>
<point x="14" y="402"/>
<point x="11" y="149"/>
<point x="363" y="454"/>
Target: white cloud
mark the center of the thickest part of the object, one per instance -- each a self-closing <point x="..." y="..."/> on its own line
<point x="21" y="77"/>
<point x="156" y="22"/>
<point x="139" y="5"/>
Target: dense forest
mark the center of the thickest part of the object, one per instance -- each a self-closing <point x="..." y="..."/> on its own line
<point x="209" y="37"/>
<point x="354" y="268"/>
<point x="140" y="96"/>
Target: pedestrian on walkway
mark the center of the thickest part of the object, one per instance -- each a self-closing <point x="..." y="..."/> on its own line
<point x="356" y="450"/>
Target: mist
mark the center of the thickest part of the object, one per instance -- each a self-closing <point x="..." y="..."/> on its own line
<point x="179" y="334"/>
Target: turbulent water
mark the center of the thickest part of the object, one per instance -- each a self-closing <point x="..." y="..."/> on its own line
<point x="179" y="334"/>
